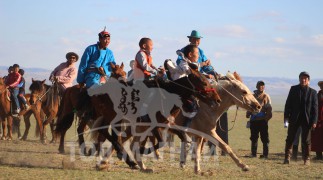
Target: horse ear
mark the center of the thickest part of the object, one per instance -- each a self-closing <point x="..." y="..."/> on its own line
<point x="230" y="76"/>
<point x="122" y="65"/>
<point x="112" y="65"/>
<point x="32" y="80"/>
<point x="43" y="82"/>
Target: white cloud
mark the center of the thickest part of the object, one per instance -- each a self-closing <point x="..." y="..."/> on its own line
<point x="318" y="39"/>
<point x="279" y="40"/>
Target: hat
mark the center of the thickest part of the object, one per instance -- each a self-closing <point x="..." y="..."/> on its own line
<point x="320" y="83"/>
<point x="69" y="54"/>
<point x="104" y="33"/>
<point x="195" y="34"/>
<point x="304" y="73"/>
<point x="261" y="83"/>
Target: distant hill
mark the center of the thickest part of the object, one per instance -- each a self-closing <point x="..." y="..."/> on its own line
<point x="277" y="88"/>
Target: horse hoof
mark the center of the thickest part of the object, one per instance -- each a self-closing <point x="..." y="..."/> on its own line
<point x="9" y="139"/>
<point x="3" y="138"/>
<point x="102" y="166"/>
<point x="182" y="165"/>
<point x="147" y="170"/>
<point x="61" y="151"/>
<point x="24" y="138"/>
<point x="245" y="168"/>
<point x="52" y="142"/>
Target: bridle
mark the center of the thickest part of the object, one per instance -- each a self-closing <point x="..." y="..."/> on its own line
<point x="40" y="97"/>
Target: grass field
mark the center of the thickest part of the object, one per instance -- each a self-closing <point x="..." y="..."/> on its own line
<point x="31" y="159"/>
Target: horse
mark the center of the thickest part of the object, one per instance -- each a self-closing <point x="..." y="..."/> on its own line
<point x="182" y="87"/>
<point x="232" y="92"/>
<point x="45" y="98"/>
<point x="26" y="115"/>
<point x="72" y="101"/>
<point x="5" y="111"/>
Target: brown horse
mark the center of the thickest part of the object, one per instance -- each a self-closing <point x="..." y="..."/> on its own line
<point x="26" y="115"/>
<point x="76" y="100"/>
<point x="5" y="111"/>
<point x="46" y="99"/>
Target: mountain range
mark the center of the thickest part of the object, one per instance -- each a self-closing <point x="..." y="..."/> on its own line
<point x="276" y="87"/>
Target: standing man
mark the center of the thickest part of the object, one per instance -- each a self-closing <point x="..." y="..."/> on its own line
<point x="300" y="111"/>
<point x="65" y="73"/>
<point x="259" y="121"/>
<point x="95" y="57"/>
<point x="204" y="62"/>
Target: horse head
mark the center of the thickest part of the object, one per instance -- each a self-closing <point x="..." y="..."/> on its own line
<point x="117" y="71"/>
<point x="37" y="89"/>
<point x="231" y="86"/>
<point x="203" y="86"/>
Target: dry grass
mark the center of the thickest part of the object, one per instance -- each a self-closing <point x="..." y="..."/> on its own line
<point x="31" y="159"/>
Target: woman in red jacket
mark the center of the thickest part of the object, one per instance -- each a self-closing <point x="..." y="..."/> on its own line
<point x="317" y="133"/>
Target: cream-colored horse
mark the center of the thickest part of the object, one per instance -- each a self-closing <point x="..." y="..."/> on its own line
<point x="232" y="92"/>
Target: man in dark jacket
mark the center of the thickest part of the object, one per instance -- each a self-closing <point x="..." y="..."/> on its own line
<point x="300" y="111"/>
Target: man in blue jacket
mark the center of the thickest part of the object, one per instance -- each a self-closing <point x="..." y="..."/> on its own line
<point x="94" y="57"/>
<point x="300" y="111"/>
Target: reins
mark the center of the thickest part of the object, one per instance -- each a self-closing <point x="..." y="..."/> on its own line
<point x="234" y="122"/>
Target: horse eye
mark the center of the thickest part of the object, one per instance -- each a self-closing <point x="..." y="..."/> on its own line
<point x="244" y="92"/>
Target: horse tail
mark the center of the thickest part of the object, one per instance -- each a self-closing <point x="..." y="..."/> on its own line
<point x="95" y="128"/>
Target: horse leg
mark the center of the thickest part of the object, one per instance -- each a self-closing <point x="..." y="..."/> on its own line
<point x="227" y="149"/>
<point x="61" y="148"/>
<point x="54" y="137"/>
<point x="27" y="125"/>
<point x="80" y="130"/>
<point x="197" y="154"/>
<point x="135" y="148"/>
<point x="182" y="136"/>
<point x="119" y="148"/>
<point x="4" y="128"/>
<point x="10" y="119"/>
<point x="40" y="125"/>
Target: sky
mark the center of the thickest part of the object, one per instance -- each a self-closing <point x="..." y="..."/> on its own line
<point x="255" y="38"/>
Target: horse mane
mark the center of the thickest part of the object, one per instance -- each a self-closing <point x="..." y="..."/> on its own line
<point x="237" y="76"/>
<point x="1" y="81"/>
<point x="230" y="76"/>
<point x="52" y="95"/>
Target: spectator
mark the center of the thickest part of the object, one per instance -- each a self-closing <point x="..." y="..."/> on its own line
<point x="300" y="111"/>
<point x="259" y="121"/>
<point x="317" y="133"/>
